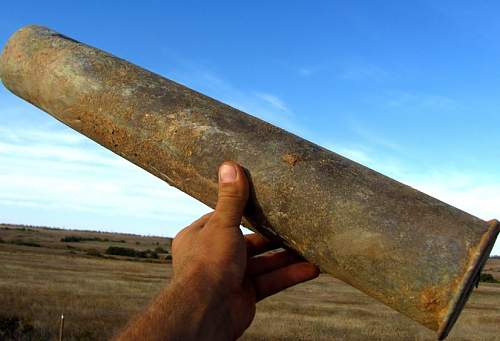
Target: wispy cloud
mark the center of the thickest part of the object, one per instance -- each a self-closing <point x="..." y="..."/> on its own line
<point x="273" y="100"/>
<point x="63" y="153"/>
<point x="371" y="156"/>
<point x="352" y="153"/>
<point x="308" y="71"/>
<point x="351" y="70"/>
<point x="60" y="171"/>
<point x="465" y="191"/>
<point x="40" y="135"/>
<point x="262" y="104"/>
<point x="405" y="99"/>
<point x="368" y="136"/>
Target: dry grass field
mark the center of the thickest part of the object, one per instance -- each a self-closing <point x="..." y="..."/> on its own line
<point x="98" y="293"/>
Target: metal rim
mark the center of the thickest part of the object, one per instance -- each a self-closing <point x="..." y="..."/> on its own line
<point x="470" y="279"/>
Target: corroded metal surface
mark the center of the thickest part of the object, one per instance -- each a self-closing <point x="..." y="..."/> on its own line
<point x="414" y="253"/>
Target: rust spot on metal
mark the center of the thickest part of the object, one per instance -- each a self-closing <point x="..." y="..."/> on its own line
<point x="291" y="159"/>
<point x="434" y="301"/>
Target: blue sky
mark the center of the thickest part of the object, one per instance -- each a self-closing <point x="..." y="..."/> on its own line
<point x="407" y="88"/>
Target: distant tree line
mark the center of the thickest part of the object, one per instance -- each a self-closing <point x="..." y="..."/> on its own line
<point x="20" y="242"/>
<point x="78" y="239"/>
<point x="488" y="278"/>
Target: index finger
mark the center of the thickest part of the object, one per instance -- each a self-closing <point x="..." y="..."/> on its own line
<point x="273" y="282"/>
<point x="257" y="244"/>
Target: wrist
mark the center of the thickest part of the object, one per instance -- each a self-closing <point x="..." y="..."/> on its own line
<point x="206" y="309"/>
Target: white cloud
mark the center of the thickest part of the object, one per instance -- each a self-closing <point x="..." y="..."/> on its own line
<point x="417" y="101"/>
<point x="374" y="139"/>
<point x="40" y="135"/>
<point x="62" y="172"/>
<point x="273" y="100"/>
<point x="478" y="198"/>
<point x="354" y="154"/>
<point x="264" y="105"/>
<point x="68" y="153"/>
<point x="478" y="194"/>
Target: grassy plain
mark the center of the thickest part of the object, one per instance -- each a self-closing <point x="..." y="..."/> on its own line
<point x="98" y="293"/>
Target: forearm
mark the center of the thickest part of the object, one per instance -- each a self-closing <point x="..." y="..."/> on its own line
<point x="186" y="310"/>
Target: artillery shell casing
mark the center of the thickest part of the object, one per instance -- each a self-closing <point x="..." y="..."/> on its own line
<point x="412" y="252"/>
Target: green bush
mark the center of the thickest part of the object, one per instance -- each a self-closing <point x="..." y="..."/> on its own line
<point x="147" y="254"/>
<point x="121" y="251"/>
<point x="488" y="278"/>
<point x="73" y="239"/>
<point x="13" y="328"/>
<point x="25" y="243"/>
<point x="159" y="249"/>
<point x="129" y="252"/>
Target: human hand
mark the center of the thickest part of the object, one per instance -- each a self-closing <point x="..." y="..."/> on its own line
<point x="219" y="274"/>
<point x="212" y="252"/>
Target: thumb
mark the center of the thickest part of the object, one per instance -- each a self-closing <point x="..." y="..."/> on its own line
<point x="233" y="195"/>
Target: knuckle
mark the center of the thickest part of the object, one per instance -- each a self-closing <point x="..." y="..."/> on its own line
<point x="225" y="219"/>
<point x="231" y="196"/>
<point x="231" y="191"/>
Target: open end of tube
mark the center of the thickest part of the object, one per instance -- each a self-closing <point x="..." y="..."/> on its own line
<point x="470" y="279"/>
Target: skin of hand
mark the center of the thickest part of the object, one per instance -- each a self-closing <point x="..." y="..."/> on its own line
<point x="219" y="274"/>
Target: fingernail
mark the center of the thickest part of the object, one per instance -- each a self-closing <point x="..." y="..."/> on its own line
<point x="227" y="173"/>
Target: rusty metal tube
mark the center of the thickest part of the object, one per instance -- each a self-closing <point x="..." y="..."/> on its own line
<point x="412" y="252"/>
